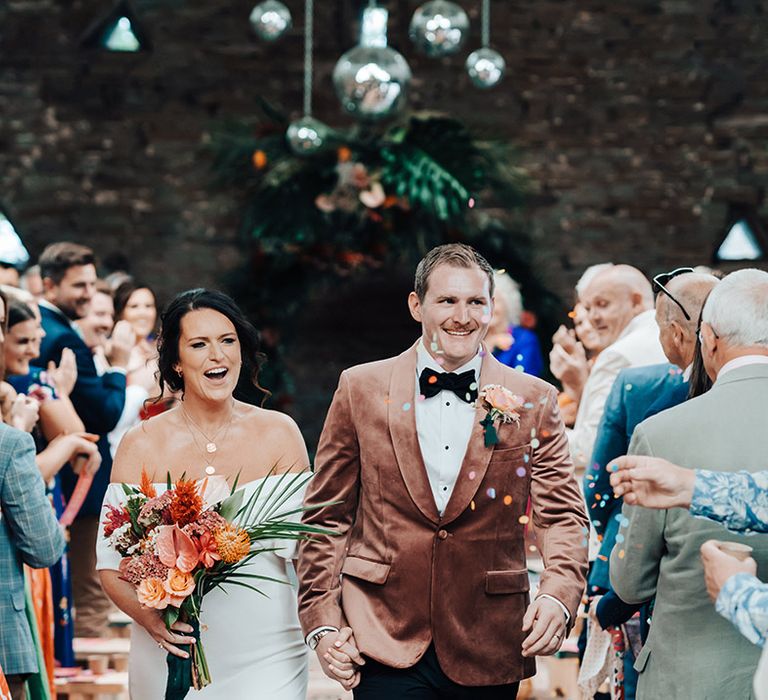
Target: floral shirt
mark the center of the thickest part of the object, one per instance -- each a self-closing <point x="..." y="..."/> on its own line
<point x="739" y="501"/>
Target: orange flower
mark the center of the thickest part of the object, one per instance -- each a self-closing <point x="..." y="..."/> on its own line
<point x="146" y="486"/>
<point x="259" y="160"/>
<point x="178" y="585"/>
<point x="206" y="545"/>
<point x="232" y="542"/>
<point x="186" y="503"/>
<point x="152" y="594"/>
<point x="344" y="154"/>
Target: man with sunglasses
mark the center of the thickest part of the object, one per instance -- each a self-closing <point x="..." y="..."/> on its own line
<point x="638" y="393"/>
<point x="692" y="652"/>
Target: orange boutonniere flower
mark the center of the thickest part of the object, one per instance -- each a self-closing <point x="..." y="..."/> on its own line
<point x="502" y="405"/>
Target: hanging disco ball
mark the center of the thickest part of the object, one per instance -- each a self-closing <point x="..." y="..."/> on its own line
<point x="270" y="20"/>
<point x="371" y="81"/>
<point x="439" y="28"/>
<point x="485" y="67"/>
<point x="307" y="136"/>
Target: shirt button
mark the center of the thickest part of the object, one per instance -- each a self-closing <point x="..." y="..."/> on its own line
<point x="446" y="447"/>
<point x="447" y="403"/>
<point x="445" y="488"/>
<point x="442" y="534"/>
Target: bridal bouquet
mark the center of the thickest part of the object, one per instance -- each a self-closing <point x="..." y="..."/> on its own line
<point x="178" y="546"/>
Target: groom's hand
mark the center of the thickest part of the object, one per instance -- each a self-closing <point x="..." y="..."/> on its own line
<point x="340" y="658"/>
<point x="546" y="622"/>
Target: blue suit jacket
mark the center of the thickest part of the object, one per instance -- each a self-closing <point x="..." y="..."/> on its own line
<point x="525" y="352"/>
<point x="29" y="534"/>
<point x="637" y="394"/>
<point x="98" y="400"/>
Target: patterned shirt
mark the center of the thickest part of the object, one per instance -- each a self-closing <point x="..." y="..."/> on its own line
<point x="739" y="501"/>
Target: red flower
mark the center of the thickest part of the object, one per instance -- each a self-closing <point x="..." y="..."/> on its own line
<point x="208" y="551"/>
<point x="115" y="518"/>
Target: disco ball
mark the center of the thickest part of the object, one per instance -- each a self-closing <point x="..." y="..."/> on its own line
<point x="270" y="20"/>
<point x="439" y="28"/>
<point x="485" y="67"/>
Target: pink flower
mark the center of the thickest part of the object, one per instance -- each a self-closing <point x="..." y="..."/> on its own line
<point x="114" y="519"/>
<point x="208" y="552"/>
<point x="152" y="594"/>
<point x="502" y="399"/>
<point x="176" y="549"/>
<point x="178" y="585"/>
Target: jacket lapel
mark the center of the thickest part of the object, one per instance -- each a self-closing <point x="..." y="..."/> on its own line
<point x="477" y="456"/>
<point x="405" y="439"/>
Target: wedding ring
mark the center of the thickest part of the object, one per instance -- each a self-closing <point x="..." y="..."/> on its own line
<point x="160" y="644"/>
<point x="557" y="636"/>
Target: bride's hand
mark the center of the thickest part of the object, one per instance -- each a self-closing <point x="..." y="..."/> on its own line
<point x="151" y="621"/>
<point x="340" y="658"/>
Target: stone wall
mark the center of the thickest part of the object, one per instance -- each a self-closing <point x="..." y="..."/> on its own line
<point x="641" y="124"/>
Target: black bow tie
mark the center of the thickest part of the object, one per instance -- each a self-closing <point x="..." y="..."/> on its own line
<point x="464" y="385"/>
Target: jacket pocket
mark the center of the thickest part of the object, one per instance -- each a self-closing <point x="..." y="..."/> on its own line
<point x="501" y="582"/>
<point x="19" y="601"/>
<point x="366" y="570"/>
<point x="510" y="454"/>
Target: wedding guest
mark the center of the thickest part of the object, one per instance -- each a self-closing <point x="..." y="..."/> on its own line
<point x="403" y="451"/>
<point x="32" y="282"/>
<point x="69" y="278"/>
<point x="60" y="439"/>
<point x="574" y="351"/>
<point x="510" y="343"/>
<point x="98" y="328"/>
<point x="29" y="534"/>
<point x="620" y="304"/>
<point x="638" y="393"/>
<point x="13" y="255"/>
<point x="692" y="652"/>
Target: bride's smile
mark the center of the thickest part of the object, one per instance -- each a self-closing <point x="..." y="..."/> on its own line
<point x="209" y="354"/>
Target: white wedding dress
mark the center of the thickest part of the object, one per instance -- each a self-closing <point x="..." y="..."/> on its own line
<point x="253" y="643"/>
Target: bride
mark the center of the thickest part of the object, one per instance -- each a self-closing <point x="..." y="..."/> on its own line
<point x="209" y="351"/>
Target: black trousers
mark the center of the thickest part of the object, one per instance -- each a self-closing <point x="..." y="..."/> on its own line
<point x="424" y="681"/>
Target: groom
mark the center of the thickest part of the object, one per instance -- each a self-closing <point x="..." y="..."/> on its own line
<point x="428" y="577"/>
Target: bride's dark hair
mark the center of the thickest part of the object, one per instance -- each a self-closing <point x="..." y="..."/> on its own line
<point x="248" y="388"/>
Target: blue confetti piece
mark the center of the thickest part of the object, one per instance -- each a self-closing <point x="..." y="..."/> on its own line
<point x="619" y="538"/>
<point x="406" y="406"/>
<point x="491" y="493"/>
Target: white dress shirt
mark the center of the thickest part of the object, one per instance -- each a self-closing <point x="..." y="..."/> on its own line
<point x="444" y="424"/>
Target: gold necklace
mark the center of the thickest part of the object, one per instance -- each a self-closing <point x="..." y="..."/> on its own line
<point x="209" y="453"/>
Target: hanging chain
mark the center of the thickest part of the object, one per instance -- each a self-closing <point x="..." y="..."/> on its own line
<point x="486" y="23"/>
<point x="308" y="37"/>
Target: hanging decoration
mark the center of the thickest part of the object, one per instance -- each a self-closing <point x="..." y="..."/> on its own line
<point x="270" y="20"/>
<point x="371" y="80"/>
<point x="307" y="135"/>
<point x="485" y="66"/>
<point x="439" y="28"/>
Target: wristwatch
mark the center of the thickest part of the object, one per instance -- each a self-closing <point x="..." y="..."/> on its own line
<point x="314" y="640"/>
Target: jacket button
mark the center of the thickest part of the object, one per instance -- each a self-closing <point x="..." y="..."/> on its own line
<point x="443" y="534"/>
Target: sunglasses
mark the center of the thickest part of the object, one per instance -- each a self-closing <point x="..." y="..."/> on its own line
<point x="664" y="278"/>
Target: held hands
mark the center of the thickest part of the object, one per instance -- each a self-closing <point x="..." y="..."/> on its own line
<point x="546" y="622"/>
<point x="340" y="658"/>
<point x="719" y="567"/>
<point x="652" y="482"/>
<point x="84" y="453"/>
<point x="571" y="367"/>
<point x="63" y="377"/>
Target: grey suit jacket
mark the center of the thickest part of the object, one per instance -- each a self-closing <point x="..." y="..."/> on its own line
<point x="692" y="653"/>
<point x="29" y="534"/>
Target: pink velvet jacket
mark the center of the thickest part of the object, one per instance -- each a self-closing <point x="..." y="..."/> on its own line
<point x="401" y="575"/>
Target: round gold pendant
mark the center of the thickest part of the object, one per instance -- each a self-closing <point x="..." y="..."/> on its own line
<point x="210" y="470"/>
<point x="210" y="447"/>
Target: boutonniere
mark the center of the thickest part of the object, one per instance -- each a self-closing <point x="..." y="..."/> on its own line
<point x="502" y="405"/>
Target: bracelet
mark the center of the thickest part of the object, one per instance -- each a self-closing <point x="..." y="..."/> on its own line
<point x="314" y="640"/>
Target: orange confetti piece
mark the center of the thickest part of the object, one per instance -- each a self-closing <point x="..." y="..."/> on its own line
<point x="507" y="500"/>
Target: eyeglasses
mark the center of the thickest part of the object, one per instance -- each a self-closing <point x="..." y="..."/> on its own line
<point x="664" y="278"/>
<point x="701" y="340"/>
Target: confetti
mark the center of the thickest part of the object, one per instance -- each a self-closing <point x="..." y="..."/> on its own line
<point x="432" y="379"/>
<point x="628" y="387"/>
<point x="519" y="368"/>
<point x="472" y="476"/>
<point x="621" y="554"/>
<point x="535" y="443"/>
<point x="528" y="405"/>
<point x="523" y="519"/>
<point x="613" y="468"/>
<point x="485" y="318"/>
<point x="519" y="358"/>
<point x="473" y="386"/>
<point x="531" y="547"/>
<point x="422" y="397"/>
<point x="521" y="472"/>
<point x="491" y="492"/>
<point x="619" y="538"/>
<point x="533" y="432"/>
<point x="597" y="496"/>
<point x="406" y="406"/>
<point x="472" y="505"/>
<point x="507" y="500"/>
<point x="526" y="458"/>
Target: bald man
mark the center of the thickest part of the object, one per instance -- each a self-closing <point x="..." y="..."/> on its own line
<point x="619" y="301"/>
